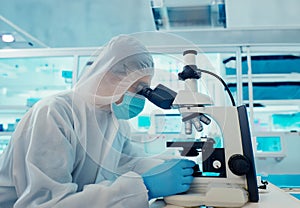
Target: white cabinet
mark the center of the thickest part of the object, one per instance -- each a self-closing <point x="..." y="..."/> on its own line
<point x="28" y="75"/>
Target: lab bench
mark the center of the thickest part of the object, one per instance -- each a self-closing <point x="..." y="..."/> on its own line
<point x="272" y="197"/>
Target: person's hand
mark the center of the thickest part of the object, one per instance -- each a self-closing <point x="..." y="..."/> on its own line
<point x="169" y="178"/>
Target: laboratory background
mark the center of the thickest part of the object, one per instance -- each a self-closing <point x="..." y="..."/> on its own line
<point x="254" y="45"/>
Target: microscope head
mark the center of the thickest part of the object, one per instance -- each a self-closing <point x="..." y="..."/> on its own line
<point x="160" y="96"/>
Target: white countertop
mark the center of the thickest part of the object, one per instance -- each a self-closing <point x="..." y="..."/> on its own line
<point x="273" y="197"/>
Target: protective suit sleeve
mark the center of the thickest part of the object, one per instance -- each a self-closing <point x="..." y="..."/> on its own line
<point x="136" y="160"/>
<point x="43" y="163"/>
<point x="108" y="194"/>
<point x="134" y="157"/>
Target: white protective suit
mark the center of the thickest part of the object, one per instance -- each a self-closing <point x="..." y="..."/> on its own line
<point x="70" y="151"/>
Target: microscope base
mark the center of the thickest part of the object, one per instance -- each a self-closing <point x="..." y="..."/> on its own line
<point x="215" y="197"/>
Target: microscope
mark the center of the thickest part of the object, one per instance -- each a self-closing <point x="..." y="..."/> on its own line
<point x="226" y="175"/>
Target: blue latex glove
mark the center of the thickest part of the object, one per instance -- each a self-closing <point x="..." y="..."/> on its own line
<point x="169" y="178"/>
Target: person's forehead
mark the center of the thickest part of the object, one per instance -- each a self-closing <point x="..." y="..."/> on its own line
<point x="145" y="79"/>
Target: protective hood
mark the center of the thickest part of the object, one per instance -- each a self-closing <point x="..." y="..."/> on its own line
<point x="114" y="69"/>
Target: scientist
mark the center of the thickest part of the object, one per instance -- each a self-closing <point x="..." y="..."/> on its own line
<point x="74" y="149"/>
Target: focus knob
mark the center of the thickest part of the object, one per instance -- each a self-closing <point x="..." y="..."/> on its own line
<point x="239" y="164"/>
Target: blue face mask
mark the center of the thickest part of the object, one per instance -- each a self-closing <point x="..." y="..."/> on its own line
<point x="130" y="107"/>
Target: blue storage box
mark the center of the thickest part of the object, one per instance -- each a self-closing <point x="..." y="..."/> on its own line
<point x="284" y="180"/>
<point x="271" y="91"/>
<point x="290" y="181"/>
<point x="275" y="64"/>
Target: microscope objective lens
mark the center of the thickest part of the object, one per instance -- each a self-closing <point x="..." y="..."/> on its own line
<point x="196" y="122"/>
<point x="188" y="127"/>
<point x="205" y="119"/>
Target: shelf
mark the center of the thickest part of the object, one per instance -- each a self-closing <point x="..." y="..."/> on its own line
<point x="289" y="103"/>
<point x="6" y="133"/>
<point x="242" y="37"/>
<point x="292" y="77"/>
<point x="13" y="108"/>
<point x="283" y="106"/>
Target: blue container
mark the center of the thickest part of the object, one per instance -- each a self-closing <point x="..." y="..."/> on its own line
<point x="277" y="64"/>
<point x="284" y="181"/>
<point x="67" y="74"/>
<point x="271" y="91"/>
<point x="296" y="196"/>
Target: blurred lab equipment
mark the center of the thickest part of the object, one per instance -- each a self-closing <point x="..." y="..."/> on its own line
<point x="269" y="145"/>
<point x="167" y="123"/>
<point x="4" y="140"/>
<point x="227" y="172"/>
<point x="67" y="75"/>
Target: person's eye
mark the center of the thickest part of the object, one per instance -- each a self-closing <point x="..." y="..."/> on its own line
<point x="141" y="86"/>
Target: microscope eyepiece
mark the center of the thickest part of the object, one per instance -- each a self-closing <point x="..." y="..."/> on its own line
<point x="161" y="96"/>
